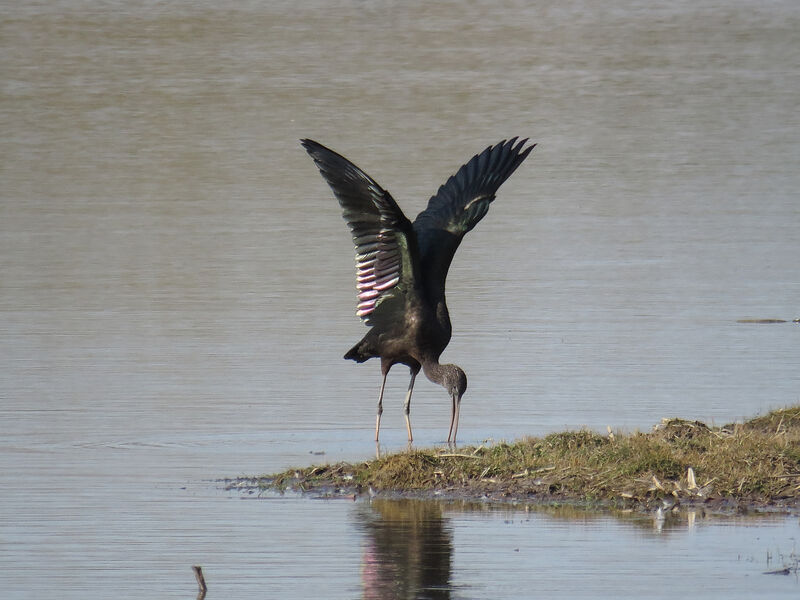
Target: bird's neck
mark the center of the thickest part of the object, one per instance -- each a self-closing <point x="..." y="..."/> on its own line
<point x="435" y="372"/>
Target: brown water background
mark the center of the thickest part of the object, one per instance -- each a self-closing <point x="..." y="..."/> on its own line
<point x="176" y="283"/>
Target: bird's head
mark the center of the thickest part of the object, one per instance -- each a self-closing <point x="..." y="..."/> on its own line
<point x="455" y="381"/>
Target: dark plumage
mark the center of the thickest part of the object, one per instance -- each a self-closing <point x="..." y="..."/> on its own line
<point x="401" y="267"/>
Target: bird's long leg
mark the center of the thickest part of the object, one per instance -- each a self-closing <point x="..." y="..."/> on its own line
<point x="380" y="404"/>
<point x="407" y="403"/>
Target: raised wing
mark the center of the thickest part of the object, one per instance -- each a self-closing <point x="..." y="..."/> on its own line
<point x="461" y="203"/>
<point x="386" y="262"/>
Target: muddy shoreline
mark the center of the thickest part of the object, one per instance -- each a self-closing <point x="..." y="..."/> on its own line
<point x="257" y="487"/>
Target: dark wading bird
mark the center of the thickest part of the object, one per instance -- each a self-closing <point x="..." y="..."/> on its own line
<point x="401" y="266"/>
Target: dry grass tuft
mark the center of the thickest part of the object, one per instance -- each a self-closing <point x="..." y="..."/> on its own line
<point x="756" y="462"/>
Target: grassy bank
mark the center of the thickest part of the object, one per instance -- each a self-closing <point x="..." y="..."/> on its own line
<point x="752" y="464"/>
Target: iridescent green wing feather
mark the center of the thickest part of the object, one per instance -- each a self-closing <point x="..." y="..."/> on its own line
<point x="463" y="201"/>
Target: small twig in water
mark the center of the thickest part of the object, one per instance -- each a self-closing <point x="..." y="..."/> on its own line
<point x="201" y="581"/>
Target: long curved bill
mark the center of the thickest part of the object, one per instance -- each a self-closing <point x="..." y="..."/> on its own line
<point x="454" y="419"/>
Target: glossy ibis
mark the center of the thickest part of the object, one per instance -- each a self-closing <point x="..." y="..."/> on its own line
<point x="401" y="266"/>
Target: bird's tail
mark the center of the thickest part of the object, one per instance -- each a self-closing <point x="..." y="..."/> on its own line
<point x="359" y="353"/>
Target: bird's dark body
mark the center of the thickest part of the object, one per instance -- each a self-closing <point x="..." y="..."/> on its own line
<point x="423" y="334"/>
<point x="402" y="266"/>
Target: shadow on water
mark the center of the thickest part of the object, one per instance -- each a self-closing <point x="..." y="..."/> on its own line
<point x="408" y="549"/>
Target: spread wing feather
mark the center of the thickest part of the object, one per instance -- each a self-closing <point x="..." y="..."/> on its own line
<point x="382" y="235"/>
<point x="464" y="199"/>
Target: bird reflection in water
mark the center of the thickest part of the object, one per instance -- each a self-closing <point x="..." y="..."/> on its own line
<point x="407" y="551"/>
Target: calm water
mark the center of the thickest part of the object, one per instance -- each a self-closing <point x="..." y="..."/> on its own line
<point x="176" y="283"/>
